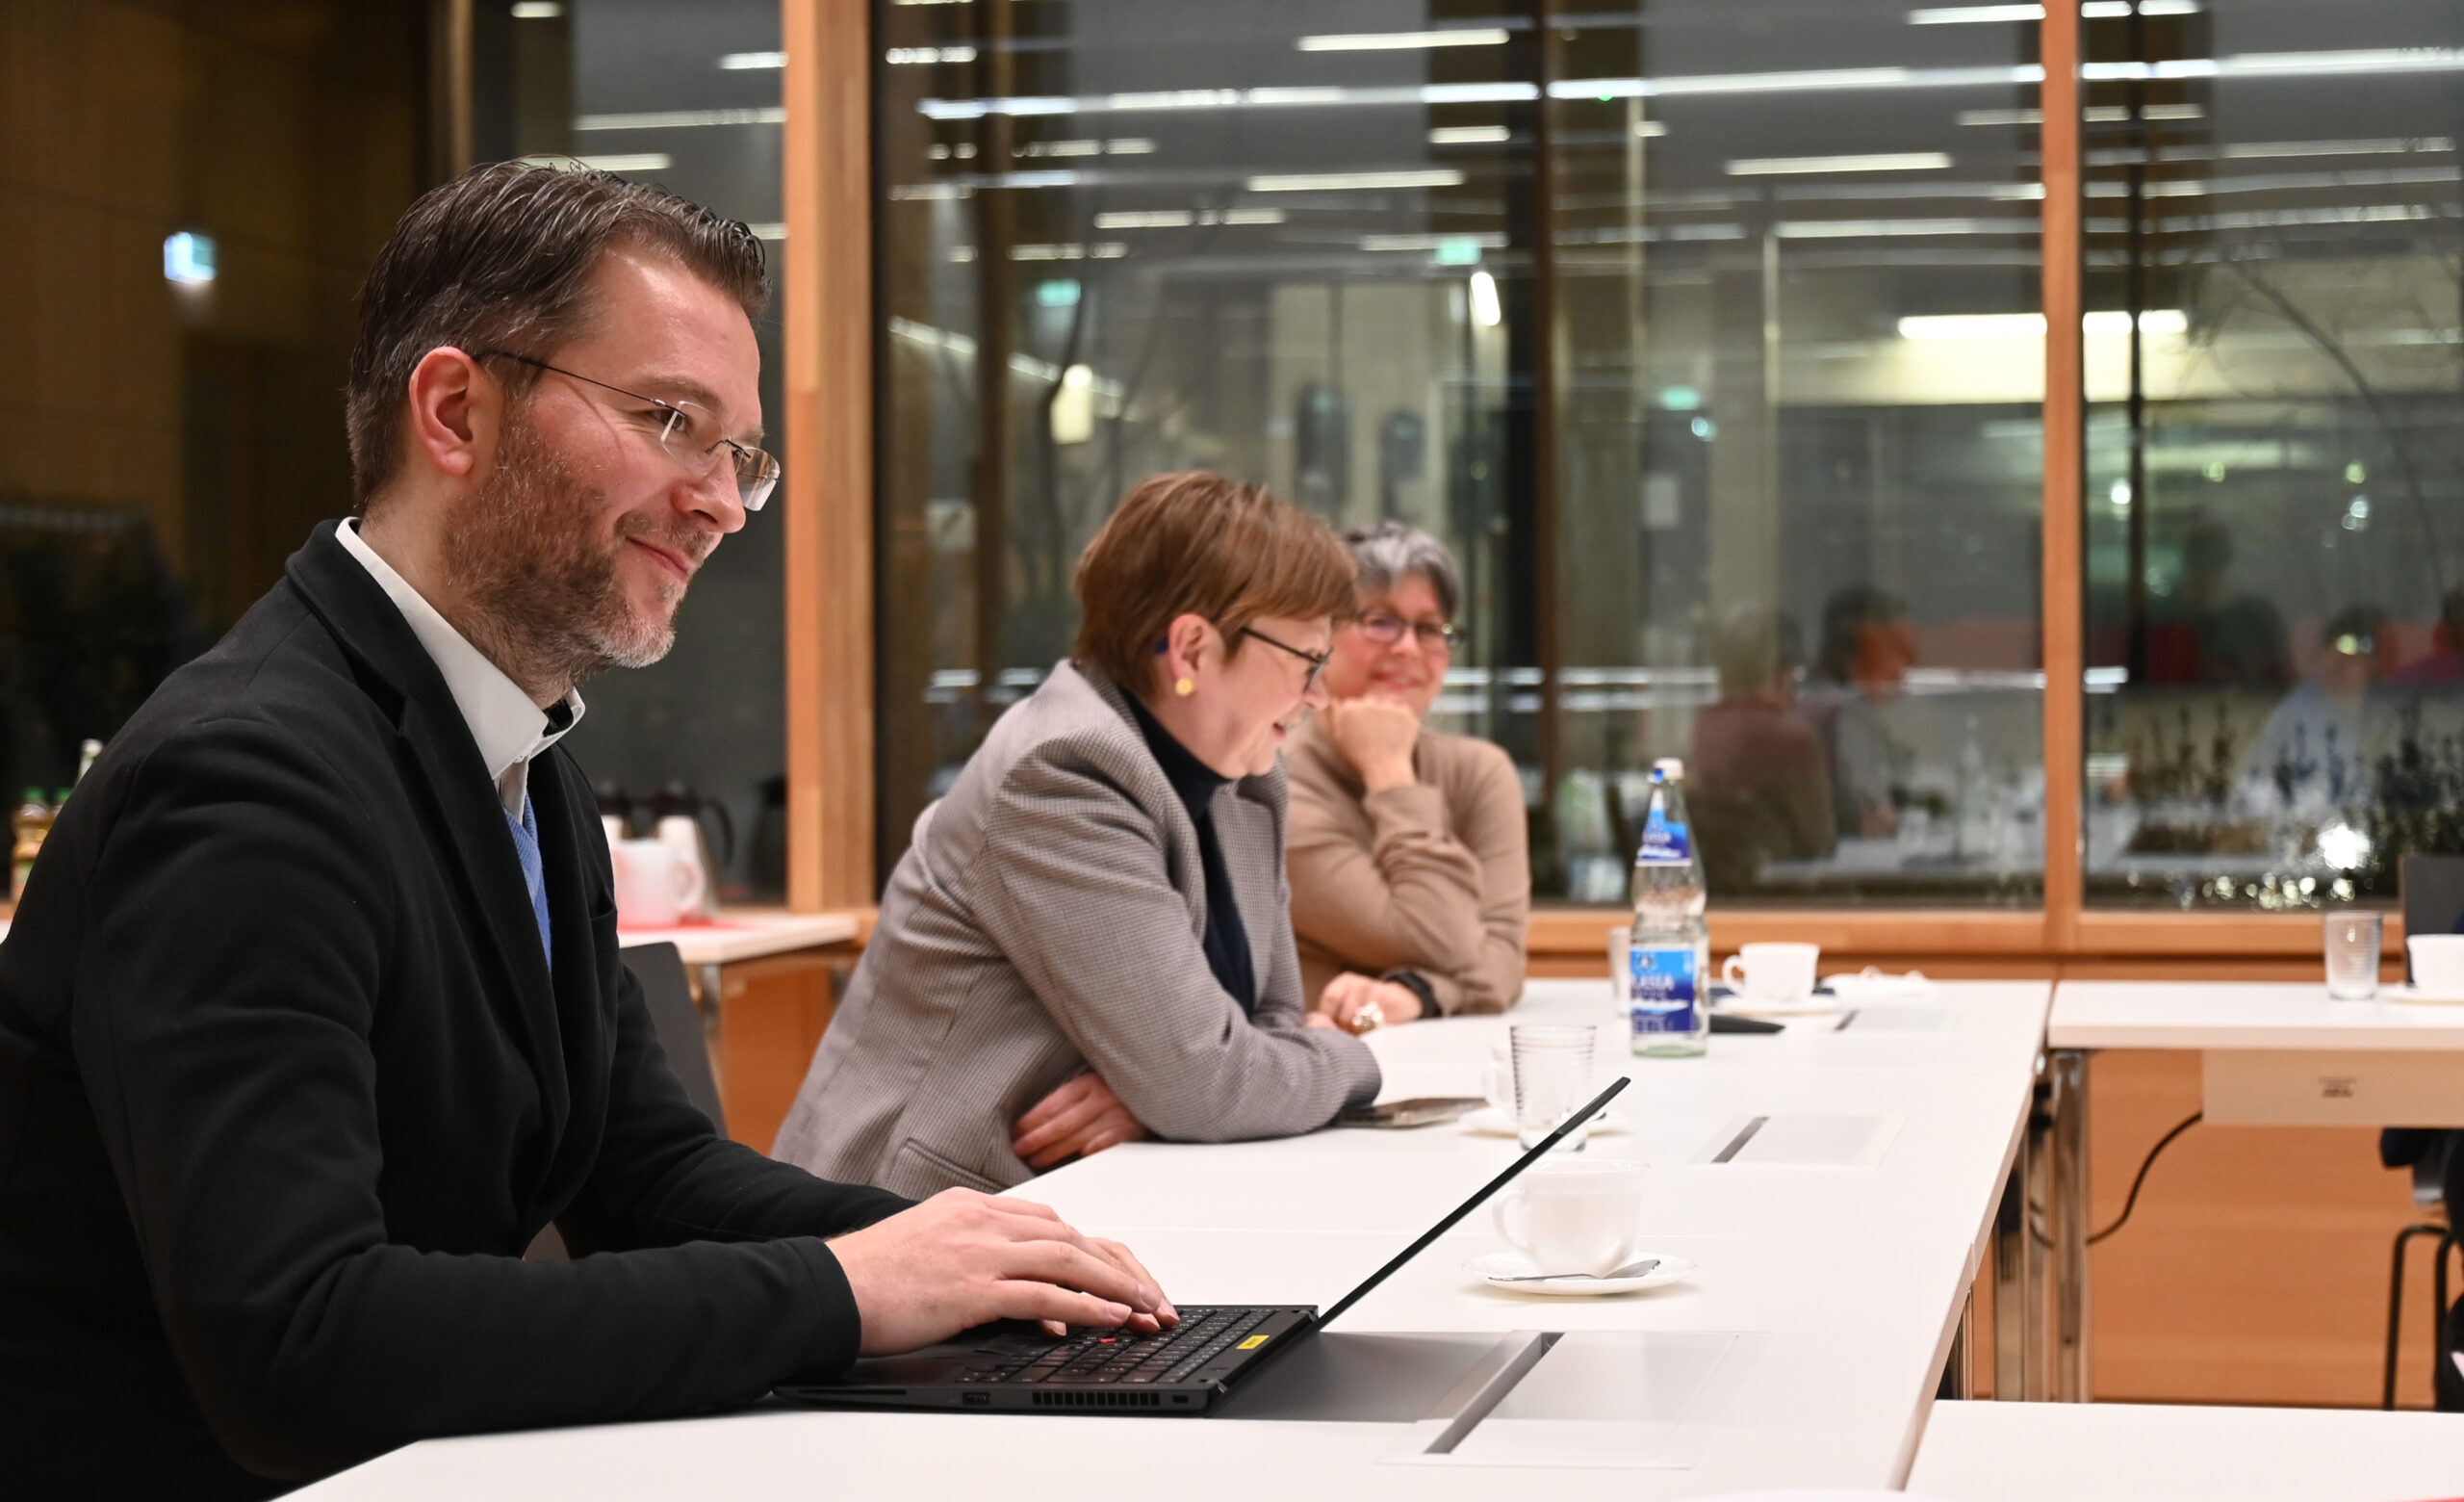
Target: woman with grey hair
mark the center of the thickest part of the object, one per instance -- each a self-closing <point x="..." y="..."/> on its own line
<point x="1409" y="855"/>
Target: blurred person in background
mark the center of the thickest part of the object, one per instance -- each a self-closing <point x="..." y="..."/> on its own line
<point x="1089" y="939"/>
<point x="2203" y="633"/>
<point x="1411" y="864"/>
<point x="2313" y="753"/>
<point x="1759" y="785"/>
<point x="1866" y="652"/>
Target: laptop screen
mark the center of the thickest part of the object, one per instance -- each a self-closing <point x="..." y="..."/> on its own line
<point x="1480" y="1198"/>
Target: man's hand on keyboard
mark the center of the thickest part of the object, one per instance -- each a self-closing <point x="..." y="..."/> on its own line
<point x="962" y="1258"/>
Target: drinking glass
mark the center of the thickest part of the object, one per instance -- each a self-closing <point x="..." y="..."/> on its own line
<point x="1552" y="1077"/>
<point x="2352" y="954"/>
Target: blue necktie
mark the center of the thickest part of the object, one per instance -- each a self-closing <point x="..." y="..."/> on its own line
<point x="525" y="844"/>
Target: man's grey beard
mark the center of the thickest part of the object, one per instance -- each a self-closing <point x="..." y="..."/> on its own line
<point x="541" y="597"/>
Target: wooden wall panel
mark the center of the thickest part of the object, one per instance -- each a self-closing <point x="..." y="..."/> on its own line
<point x="772" y="1014"/>
<point x="2064" y="576"/>
<point x="828" y="312"/>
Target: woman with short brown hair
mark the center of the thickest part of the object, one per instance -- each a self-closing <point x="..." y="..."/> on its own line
<point x="1090" y="940"/>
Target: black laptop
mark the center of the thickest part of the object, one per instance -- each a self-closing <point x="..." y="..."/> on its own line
<point x="1015" y="1367"/>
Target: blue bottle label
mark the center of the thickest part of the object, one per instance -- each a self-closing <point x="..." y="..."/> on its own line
<point x="1662" y="987"/>
<point x="1664" y="844"/>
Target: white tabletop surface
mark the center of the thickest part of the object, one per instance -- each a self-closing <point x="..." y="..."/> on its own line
<point x="746" y="935"/>
<point x="2251" y="1015"/>
<point x="2123" y="1452"/>
<point x="1846" y="1285"/>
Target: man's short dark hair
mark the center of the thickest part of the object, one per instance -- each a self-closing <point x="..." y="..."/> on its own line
<point x="498" y="258"/>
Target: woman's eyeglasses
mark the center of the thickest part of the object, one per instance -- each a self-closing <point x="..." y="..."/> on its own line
<point x="1316" y="660"/>
<point x="1385" y="628"/>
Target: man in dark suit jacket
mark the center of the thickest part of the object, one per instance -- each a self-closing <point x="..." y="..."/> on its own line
<point x="312" y="1018"/>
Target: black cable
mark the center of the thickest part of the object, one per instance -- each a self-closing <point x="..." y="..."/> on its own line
<point x="2129" y="1202"/>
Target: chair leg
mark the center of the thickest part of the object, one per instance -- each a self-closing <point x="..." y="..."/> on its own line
<point x="2438" y="1322"/>
<point x="2395" y="1301"/>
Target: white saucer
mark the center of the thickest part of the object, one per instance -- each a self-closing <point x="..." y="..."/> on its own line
<point x="1490" y="1122"/>
<point x="2418" y="996"/>
<point x="1497" y="1267"/>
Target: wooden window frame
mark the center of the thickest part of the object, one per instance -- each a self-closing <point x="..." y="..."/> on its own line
<point x="829" y="498"/>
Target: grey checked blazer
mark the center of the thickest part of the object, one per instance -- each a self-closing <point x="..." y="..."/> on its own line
<point x="1049" y="918"/>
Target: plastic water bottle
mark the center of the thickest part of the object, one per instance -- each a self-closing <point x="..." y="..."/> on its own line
<point x="1668" y="951"/>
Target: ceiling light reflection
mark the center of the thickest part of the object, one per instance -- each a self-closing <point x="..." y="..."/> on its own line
<point x="1404" y="41"/>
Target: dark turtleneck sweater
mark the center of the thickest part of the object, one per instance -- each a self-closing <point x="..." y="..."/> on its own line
<point x="1227" y="942"/>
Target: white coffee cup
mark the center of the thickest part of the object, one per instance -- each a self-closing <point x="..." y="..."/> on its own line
<point x="2438" y="963"/>
<point x="1575" y="1215"/>
<point x="1773" y="971"/>
<point x="654" y="888"/>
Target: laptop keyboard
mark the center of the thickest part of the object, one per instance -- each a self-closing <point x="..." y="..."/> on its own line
<point x="1125" y="1355"/>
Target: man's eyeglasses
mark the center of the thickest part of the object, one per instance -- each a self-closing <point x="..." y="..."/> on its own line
<point x="1385" y="628"/>
<point x="688" y="430"/>
<point x="1316" y="660"/>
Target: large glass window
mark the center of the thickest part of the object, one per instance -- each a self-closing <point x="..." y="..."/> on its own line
<point x="2276" y="711"/>
<point x="687" y="97"/>
<point x="1706" y="334"/>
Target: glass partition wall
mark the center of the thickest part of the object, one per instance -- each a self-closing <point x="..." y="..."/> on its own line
<point x="687" y="97"/>
<point x="1706" y="334"/>
<point x="2275" y="447"/>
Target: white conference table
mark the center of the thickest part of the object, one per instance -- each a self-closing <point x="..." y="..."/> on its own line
<point x="2272" y="1053"/>
<point x="1825" y="1303"/>
<point x="2128" y="1452"/>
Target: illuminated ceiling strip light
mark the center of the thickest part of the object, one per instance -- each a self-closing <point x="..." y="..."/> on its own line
<point x="1183" y="219"/>
<point x="2093" y="10"/>
<point x="2378" y="214"/>
<point x="2093" y="114"/>
<point x="2249" y="149"/>
<point x="1326" y="182"/>
<point x="771" y="231"/>
<point x="1404" y="41"/>
<point x="898" y="56"/>
<point x="1974" y="14"/>
<point x="2285" y="65"/>
<point x="675" y="119"/>
<point x="2281" y="182"/>
<point x="1487" y="242"/>
<point x="746" y="62"/>
<point x="1468" y="135"/>
<point x="1861" y="229"/>
<point x="2030" y="325"/>
<point x="1107" y="250"/>
<point x="1876" y="161"/>
<point x="612" y="162"/>
<point x="537" y="9"/>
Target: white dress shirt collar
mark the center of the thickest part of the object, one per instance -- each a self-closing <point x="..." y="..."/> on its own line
<point x="509" y="729"/>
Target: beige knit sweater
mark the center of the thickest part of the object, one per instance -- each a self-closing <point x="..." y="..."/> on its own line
<point x="1434" y="877"/>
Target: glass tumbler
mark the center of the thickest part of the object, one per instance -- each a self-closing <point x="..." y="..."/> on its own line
<point x="1552" y="1077"/>
<point x="2352" y="954"/>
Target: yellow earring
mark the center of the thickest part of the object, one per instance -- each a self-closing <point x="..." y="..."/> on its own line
<point x="1184" y="688"/>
